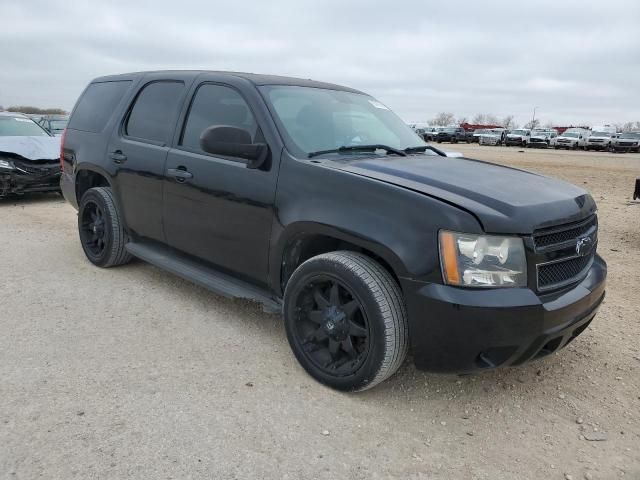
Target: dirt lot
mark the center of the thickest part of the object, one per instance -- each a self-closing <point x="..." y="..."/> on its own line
<point x="132" y="372"/>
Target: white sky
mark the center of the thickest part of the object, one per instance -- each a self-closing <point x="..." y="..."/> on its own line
<point x="577" y="61"/>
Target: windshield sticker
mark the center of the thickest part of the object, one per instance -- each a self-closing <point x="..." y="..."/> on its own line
<point x="377" y="104"/>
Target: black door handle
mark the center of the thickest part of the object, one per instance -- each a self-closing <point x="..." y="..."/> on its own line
<point x="118" y="156"/>
<point x="181" y="174"/>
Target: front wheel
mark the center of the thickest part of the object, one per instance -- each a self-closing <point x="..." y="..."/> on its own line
<point x="101" y="229"/>
<point x="346" y="320"/>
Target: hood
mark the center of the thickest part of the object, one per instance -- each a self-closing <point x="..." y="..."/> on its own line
<point x="31" y="148"/>
<point x="503" y="199"/>
<point x="599" y="137"/>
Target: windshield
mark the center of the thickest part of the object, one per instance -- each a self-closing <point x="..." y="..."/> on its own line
<point x="58" y="125"/>
<point x="600" y="134"/>
<point x="20" y="127"/>
<point x="571" y="134"/>
<point x="631" y="135"/>
<point x="518" y="132"/>
<point x="316" y="119"/>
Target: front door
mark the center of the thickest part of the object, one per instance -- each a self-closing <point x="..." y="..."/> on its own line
<point x="216" y="208"/>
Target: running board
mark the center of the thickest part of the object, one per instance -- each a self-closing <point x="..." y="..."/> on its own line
<point x="206" y="277"/>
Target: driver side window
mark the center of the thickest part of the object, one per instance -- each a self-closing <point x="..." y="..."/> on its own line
<point x="216" y="105"/>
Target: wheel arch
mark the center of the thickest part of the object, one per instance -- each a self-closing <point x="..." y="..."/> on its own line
<point x="304" y="240"/>
<point x="89" y="176"/>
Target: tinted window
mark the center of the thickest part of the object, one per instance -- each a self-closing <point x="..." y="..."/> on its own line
<point x="154" y="111"/>
<point x="216" y="105"/>
<point x="97" y="104"/>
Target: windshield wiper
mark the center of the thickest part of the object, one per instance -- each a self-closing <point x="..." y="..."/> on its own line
<point x="422" y="148"/>
<point x="360" y="148"/>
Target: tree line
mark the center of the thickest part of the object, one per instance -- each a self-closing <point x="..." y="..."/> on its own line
<point x="29" y="110"/>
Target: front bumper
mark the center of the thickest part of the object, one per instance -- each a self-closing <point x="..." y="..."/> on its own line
<point x="460" y="330"/>
<point x="15" y="182"/>
<point x="624" y="148"/>
<point x="597" y="146"/>
<point x="538" y="144"/>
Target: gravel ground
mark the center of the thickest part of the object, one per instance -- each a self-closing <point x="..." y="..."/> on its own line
<point x="132" y="372"/>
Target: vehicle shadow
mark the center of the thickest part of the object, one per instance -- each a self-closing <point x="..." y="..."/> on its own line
<point x="406" y="388"/>
<point x="30" y="199"/>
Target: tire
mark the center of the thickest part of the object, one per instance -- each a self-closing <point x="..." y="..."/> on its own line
<point x="322" y="338"/>
<point x="101" y="229"/>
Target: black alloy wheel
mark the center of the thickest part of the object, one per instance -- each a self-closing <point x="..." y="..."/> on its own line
<point x="93" y="232"/>
<point x="332" y="327"/>
<point x="346" y="321"/>
<point x="101" y="229"/>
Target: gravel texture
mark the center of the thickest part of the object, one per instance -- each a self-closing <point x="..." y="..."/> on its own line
<point x="131" y="372"/>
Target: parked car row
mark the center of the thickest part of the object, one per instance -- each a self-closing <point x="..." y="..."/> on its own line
<point x="602" y="138"/>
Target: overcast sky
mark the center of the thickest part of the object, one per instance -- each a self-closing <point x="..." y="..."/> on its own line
<point x="577" y="61"/>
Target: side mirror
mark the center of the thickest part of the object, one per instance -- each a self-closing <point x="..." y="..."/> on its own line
<point x="234" y="142"/>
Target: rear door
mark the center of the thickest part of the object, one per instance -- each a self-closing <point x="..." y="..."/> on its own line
<point x="223" y="212"/>
<point x="138" y="149"/>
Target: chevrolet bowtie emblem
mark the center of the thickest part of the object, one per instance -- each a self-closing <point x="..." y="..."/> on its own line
<point x="583" y="246"/>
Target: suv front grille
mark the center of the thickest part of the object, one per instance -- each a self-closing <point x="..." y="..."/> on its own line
<point x="563" y="272"/>
<point x="565" y="253"/>
<point x="564" y="234"/>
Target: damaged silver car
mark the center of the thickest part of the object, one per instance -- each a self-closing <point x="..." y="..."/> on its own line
<point x="29" y="156"/>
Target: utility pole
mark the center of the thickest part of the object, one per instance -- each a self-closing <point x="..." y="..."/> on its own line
<point x="533" y="119"/>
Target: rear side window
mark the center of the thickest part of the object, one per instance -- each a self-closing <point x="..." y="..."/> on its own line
<point x="154" y="111"/>
<point x="216" y="105"/>
<point x="97" y="104"/>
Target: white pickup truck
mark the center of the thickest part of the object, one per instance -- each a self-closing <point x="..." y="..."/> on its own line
<point x="543" y="138"/>
<point x="573" y="138"/>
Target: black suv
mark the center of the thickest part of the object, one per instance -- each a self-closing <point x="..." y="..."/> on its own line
<point x="450" y="134"/>
<point x="319" y="202"/>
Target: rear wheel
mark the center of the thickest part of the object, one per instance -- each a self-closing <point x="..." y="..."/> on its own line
<point x="345" y="320"/>
<point x="102" y="233"/>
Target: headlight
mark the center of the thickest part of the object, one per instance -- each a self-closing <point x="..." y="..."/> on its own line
<point x="469" y="260"/>
<point x="6" y="165"/>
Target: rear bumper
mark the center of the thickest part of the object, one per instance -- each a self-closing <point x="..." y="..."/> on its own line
<point x="68" y="188"/>
<point x="460" y="330"/>
<point x="15" y="182"/>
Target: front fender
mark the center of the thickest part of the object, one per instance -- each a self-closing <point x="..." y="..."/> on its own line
<point x="397" y="224"/>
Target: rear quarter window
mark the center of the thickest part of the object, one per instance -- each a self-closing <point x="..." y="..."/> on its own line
<point x="97" y="104"/>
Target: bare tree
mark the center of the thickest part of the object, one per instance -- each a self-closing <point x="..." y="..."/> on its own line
<point x="479" y="119"/>
<point x="629" y="126"/>
<point x="508" y="122"/>
<point x="531" y="124"/>
<point x="462" y="120"/>
<point x="443" y="119"/>
<point x="486" y="119"/>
